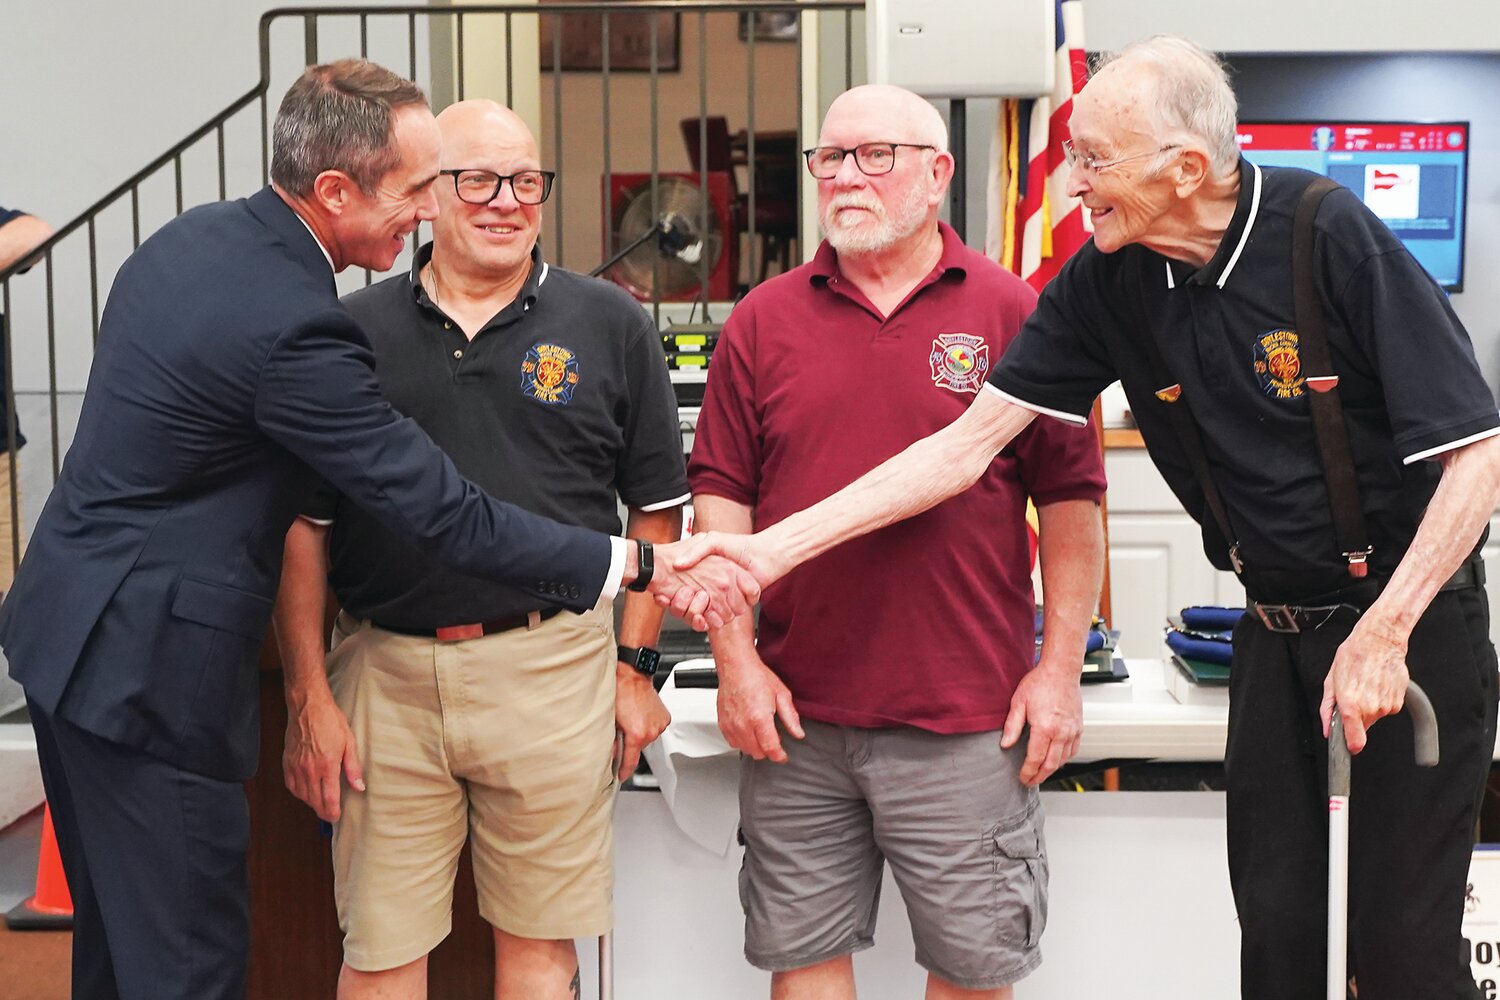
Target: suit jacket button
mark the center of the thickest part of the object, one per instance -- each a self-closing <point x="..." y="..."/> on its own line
<point x="574" y="592"/>
<point x="541" y="585"/>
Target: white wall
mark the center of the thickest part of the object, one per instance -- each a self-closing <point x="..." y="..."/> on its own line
<point x="96" y="90"/>
<point x="1301" y="25"/>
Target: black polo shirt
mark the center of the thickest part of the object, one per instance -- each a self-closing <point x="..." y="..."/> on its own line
<point x="559" y="404"/>
<point x="1409" y="382"/>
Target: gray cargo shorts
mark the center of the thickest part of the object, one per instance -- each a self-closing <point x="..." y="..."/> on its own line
<point x="962" y="834"/>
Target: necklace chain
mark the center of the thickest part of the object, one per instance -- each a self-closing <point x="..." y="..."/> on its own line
<point x="436" y="294"/>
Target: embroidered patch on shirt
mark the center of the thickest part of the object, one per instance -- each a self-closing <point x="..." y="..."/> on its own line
<point x="959" y="361"/>
<point x="549" y="374"/>
<point x="1278" y="365"/>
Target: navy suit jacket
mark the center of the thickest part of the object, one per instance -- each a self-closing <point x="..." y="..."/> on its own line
<point x="227" y="379"/>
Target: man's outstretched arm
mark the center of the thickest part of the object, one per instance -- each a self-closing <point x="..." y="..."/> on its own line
<point x="20" y="236"/>
<point x="928" y="472"/>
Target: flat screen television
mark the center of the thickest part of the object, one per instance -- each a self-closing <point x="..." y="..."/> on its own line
<point x="1413" y="175"/>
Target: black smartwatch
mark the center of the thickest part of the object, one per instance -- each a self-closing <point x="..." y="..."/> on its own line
<point x="646" y="567"/>
<point x="644" y="659"/>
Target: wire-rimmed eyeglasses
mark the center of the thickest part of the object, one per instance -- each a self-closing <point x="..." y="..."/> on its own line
<point x="1093" y="164"/>
<point x="872" y="158"/>
<point x="480" y="187"/>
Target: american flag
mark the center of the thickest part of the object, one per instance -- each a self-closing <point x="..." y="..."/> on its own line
<point x="1033" y="225"/>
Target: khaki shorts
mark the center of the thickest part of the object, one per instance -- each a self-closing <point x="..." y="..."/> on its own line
<point x="505" y="740"/>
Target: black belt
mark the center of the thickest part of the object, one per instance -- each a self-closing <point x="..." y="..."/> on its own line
<point x="473" y="630"/>
<point x="1292" y="618"/>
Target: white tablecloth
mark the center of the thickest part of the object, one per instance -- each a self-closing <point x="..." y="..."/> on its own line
<point x="1134" y="718"/>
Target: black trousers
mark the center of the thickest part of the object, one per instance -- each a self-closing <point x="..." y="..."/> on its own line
<point x="155" y="860"/>
<point x="1410" y="829"/>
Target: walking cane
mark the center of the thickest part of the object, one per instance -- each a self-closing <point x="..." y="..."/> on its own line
<point x="607" y="966"/>
<point x="1425" y="743"/>
<point x="607" y="939"/>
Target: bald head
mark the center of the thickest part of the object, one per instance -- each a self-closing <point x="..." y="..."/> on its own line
<point x="1177" y="89"/>
<point x="485" y="231"/>
<point x="900" y="115"/>
<point x="481" y="122"/>
<point x="884" y="200"/>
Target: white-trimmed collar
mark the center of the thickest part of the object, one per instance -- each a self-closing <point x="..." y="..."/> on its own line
<point x="1239" y="247"/>
<point x="1245" y="233"/>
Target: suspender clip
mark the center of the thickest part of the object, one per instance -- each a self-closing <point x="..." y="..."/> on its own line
<point x="1234" y="559"/>
<point x="1359" y="566"/>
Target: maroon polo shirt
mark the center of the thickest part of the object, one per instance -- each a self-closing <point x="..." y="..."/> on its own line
<point x="926" y="623"/>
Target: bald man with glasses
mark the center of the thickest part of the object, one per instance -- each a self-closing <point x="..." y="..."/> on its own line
<point x="881" y="712"/>
<point x="459" y="709"/>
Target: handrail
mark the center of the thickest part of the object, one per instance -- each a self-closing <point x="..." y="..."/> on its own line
<point x="133" y="181"/>
<point x="263" y="85"/>
<point x="80" y="313"/>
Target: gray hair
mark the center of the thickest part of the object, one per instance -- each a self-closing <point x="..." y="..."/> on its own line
<point x="1192" y="94"/>
<point x="338" y="117"/>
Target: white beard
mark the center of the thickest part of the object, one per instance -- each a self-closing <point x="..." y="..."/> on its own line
<point x="906" y="218"/>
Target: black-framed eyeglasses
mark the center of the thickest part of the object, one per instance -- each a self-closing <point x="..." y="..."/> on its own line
<point x="479" y="187"/>
<point x="1092" y="164"/>
<point x="872" y="158"/>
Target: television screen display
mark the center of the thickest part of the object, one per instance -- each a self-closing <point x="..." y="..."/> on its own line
<point x="1413" y="175"/>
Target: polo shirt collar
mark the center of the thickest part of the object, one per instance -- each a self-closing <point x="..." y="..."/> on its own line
<point x="525" y="299"/>
<point x="1246" y="212"/>
<point x="825" y="263"/>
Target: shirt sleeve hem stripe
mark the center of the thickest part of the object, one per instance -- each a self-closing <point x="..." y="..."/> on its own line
<point x="321" y="522"/>
<point x="1450" y="446"/>
<point x="664" y="504"/>
<point x="1071" y="418"/>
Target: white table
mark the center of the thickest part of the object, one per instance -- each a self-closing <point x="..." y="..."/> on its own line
<point x="1134" y="718"/>
<point x="1140" y="901"/>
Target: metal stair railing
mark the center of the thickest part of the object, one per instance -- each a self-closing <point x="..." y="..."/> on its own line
<point x="40" y="288"/>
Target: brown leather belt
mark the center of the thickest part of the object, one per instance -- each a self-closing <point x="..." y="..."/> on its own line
<point x="1293" y="618"/>
<point x="473" y="630"/>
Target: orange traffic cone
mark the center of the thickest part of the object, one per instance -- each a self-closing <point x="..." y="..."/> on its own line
<point x="51" y="909"/>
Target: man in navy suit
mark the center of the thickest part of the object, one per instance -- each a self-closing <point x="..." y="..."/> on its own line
<point x="228" y="378"/>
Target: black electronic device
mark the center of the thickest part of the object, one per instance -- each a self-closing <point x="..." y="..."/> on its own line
<point x="1413" y="175"/>
<point x="644" y="659"/>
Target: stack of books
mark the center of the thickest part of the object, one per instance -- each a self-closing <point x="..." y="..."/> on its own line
<point x="1200" y="646"/>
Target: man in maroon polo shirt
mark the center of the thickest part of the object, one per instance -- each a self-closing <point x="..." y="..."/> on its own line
<point x="902" y="663"/>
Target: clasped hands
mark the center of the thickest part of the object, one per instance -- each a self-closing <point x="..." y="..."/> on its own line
<point x="712" y="578"/>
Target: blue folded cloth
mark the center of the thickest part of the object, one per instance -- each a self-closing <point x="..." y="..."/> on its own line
<point x="1211" y="619"/>
<point x="1208" y="650"/>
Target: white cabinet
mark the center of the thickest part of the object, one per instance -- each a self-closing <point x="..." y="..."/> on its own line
<point x="1156" y="561"/>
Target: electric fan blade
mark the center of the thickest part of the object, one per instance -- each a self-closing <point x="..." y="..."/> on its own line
<point x="676" y="274"/>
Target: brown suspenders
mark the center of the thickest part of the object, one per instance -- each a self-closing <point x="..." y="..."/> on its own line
<point x="1323" y="400"/>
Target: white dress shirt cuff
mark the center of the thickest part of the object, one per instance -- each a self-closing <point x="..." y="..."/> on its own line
<point x="616" y="571"/>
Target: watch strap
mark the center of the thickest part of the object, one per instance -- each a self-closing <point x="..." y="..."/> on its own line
<point x="645" y="569"/>
<point x="643" y="658"/>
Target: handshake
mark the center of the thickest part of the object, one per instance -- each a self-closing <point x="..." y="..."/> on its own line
<point x="711" y="578"/>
